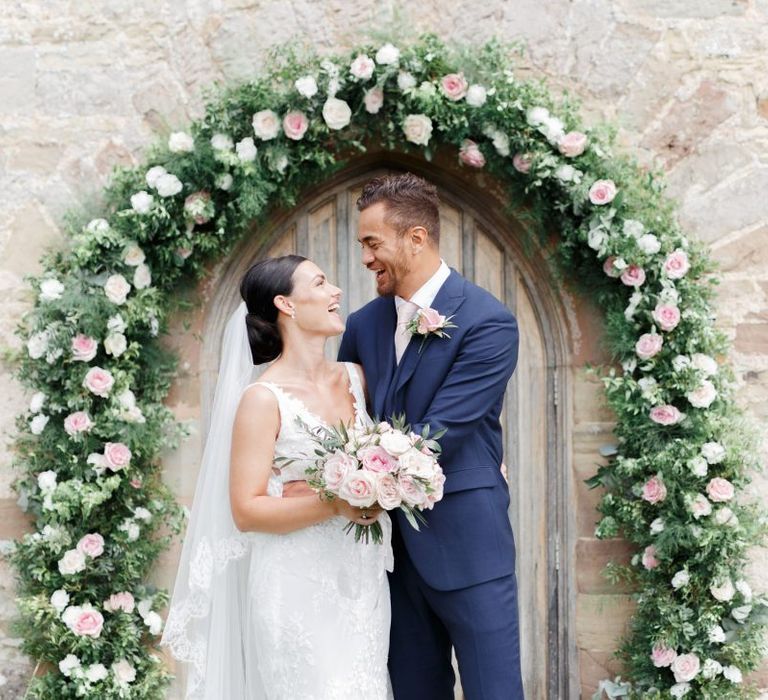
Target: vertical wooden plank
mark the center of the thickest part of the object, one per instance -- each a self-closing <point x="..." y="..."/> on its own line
<point x="489" y="263"/>
<point x="450" y="235"/>
<point x="285" y="243"/>
<point x="362" y="283"/>
<point x="322" y="249"/>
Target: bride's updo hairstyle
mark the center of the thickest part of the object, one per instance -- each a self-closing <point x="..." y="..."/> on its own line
<point x="261" y="284"/>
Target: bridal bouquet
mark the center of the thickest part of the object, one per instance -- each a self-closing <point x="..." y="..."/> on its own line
<point x="382" y="464"/>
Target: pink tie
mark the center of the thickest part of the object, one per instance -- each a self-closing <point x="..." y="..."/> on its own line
<point x="405" y="313"/>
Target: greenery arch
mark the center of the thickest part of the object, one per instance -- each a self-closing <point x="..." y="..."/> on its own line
<point x="88" y="446"/>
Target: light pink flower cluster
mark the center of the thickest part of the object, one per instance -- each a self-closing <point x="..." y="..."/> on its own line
<point x="83" y="620"/>
<point x="91" y="545"/>
<point x="471" y="155"/>
<point x="77" y="422"/>
<point x="666" y="415"/>
<point x="649" y="559"/>
<point x="84" y="348"/>
<point x="454" y="86"/>
<point x="667" y="316"/>
<point x="654" y="490"/>
<point x="99" y="381"/>
<point x="120" y="601"/>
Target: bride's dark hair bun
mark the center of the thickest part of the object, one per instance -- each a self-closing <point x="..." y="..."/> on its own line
<point x="261" y="284"/>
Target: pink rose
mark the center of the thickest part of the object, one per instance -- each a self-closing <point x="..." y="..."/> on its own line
<point x="374" y="100"/>
<point x="609" y="268"/>
<point x="654" y="490"/>
<point x="359" y="489"/>
<point x="522" y="162"/>
<point x="471" y="155"/>
<point x="377" y="459"/>
<point x="685" y="667"/>
<point x="649" y="557"/>
<point x="389" y="492"/>
<point x="362" y="67"/>
<point x="183" y="253"/>
<point x="196" y="206"/>
<point x="572" y="144"/>
<point x="648" y="345"/>
<point x="676" y="265"/>
<point x="454" y="86"/>
<point x="336" y="469"/>
<point x="117" y="455"/>
<point x="633" y="276"/>
<point x="120" y="601"/>
<point x="667" y="316"/>
<point x="91" y="544"/>
<point x="602" y="192"/>
<point x="411" y="490"/>
<point x="666" y="415"/>
<point x="136" y="483"/>
<point x="720" y="489"/>
<point x="662" y="655"/>
<point x="430" y="321"/>
<point x="78" y="422"/>
<point x="295" y="125"/>
<point x="437" y="482"/>
<point x="98" y="381"/>
<point x="88" y="622"/>
<point x="83" y="348"/>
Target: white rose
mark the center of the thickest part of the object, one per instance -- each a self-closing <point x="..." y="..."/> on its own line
<point x="37" y="402"/>
<point x="597" y="238"/>
<point x="567" y="173"/>
<point x="362" y="67"/>
<point x="716" y="634"/>
<point x="700" y="506"/>
<point x="141" y="202"/>
<point x="179" y="142"/>
<point x="154" y="622"/>
<point x="168" y="185"/>
<point x="387" y="55"/>
<point x="647" y="386"/>
<point x="127" y="400"/>
<point x="680" y="362"/>
<point x="678" y="690"/>
<point x="266" y="124"/>
<point x="745" y="589"/>
<point x="499" y="138"/>
<point x="537" y="115"/>
<point x="246" y="150"/>
<point x="224" y="181"/>
<point x="37" y="345"/>
<point x="133" y="255"/>
<point x="154" y="174"/>
<point x="710" y="669"/>
<point x="131" y="529"/>
<point x="417" y="129"/>
<point x="703" y="395"/>
<point x="725" y="516"/>
<point x="427" y="89"/>
<point x="116" y="324"/>
<point x="724" y="591"/>
<point x="68" y="664"/>
<point x="405" y="81"/>
<point x="553" y="129"/>
<point x="116" y="288"/>
<point x="733" y="674"/>
<point x="222" y="142"/>
<point x="50" y="290"/>
<point x="704" y="363"/>
<point x="713" y="452"/>
<point x="649" y="244"/>
<point x="336" y="113"/>
<point x="374" y="100"/>
<point x="396" y="443"/>
<point x="306" y="86"/>
<point x="144" y="606"/>
<point x="142" y="277"/>
<point x="476" y="95"/>
<point x="96" y="673"/>
<point x="741" y="613"/>
<point x="124" y="672"/>
<point x="72" y="562"/>
<point x="698" y="466"/>
<point x="97" y="226"/>
<point x="38" y="423"/>
<point x="657" y="526"/>
<point x="47" y="480"/>
<point x="59" y="600"/>
<point x="680" y="579"/>
<point x="417" y="463"/>
<point x="115" y="344"/>
<point x="633" y="228"/>
<point x="142" y="514"/>
<point x="669" y="295"/>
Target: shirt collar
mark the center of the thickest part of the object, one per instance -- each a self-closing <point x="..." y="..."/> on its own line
<point x="426" y="294"/>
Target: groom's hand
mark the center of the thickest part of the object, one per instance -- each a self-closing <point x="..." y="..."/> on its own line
<point x="505" y="472"/>
<point x="292" y="489"/>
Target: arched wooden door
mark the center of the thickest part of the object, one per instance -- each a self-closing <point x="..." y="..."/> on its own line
<point x="485" y="250"/>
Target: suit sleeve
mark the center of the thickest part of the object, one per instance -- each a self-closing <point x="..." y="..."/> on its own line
<point x="476" y="381"/>
<point x="348" y="348"/>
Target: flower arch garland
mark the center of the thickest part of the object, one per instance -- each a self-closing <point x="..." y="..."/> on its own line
<point x="88" y="447"/>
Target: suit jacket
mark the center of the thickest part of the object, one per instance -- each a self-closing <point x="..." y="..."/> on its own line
<point x="456" y="383"/>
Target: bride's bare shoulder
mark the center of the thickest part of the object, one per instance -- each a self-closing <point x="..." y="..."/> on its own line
<point x="258" y="398"/>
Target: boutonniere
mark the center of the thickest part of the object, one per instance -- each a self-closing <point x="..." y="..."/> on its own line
<point x="427" y="323"/>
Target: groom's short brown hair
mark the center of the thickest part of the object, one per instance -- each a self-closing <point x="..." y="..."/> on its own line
<point x="410" y="199"/>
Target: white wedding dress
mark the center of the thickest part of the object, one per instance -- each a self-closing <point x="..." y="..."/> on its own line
<point x="317" y="601"/>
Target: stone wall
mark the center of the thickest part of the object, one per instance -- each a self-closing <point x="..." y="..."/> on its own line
<point x="86" y="86"/>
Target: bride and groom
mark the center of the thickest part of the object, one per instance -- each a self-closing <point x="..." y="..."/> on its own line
<point x="272" y="598"/>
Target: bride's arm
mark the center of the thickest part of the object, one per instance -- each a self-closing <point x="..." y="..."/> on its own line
<point x="257" y="424"/>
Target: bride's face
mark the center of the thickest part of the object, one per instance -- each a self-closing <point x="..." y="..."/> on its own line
<point x="316" y="301"/>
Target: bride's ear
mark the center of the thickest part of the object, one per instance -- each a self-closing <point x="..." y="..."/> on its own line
<point x="284" y="305"/>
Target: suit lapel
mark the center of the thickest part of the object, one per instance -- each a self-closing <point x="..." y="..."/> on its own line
<point x="385" y="355"/>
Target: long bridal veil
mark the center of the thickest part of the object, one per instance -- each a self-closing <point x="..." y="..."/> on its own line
<point x="207" y="624"/>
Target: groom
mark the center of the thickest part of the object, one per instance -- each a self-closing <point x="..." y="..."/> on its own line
<point x="454" y="580"/>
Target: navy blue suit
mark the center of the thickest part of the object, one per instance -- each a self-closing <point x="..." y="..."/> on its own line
<point x="454" y="581"/>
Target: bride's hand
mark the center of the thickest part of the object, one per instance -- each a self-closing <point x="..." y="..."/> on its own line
<point x="361" y="516"/>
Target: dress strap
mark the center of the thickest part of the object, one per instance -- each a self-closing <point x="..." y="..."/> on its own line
<point x="356" y="388"/>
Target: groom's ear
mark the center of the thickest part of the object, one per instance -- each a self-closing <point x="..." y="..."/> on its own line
<point x="418" y="237"/>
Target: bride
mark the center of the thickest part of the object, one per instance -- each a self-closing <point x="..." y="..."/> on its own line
<point x="272" y="599"/>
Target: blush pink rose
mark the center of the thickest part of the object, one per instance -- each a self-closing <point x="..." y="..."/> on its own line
<point x="633" y="276"/>
<point x="78" y="422"/>
<point x="295" y="125"/>
<point x="662" y="655"/>
<point x="98" y="381"/>
<point x="470" y="154"/>
<point x="411" y="491"/>
<point x="83" y="348"/>
<point x="374" y="100"/>
<point x="437" y="483"/>
<point x="430" y="321"/>
<point x="117" y="455"/>
<point x="676" y="265"/>
<point x="602" y="192"/>
<point x="654" y="490"/>
<point x="88" y="622"/>
<point x="389" y="492"/>
<point x="196" y="205"/>
<point x="572" y="144"/>
<point x="649" y="559"/>
<point x="359" y="489"/>
<point x="667" y="316"/>
<point x="336" y="469"/>
<point x="666" y="415"/>
<point x="91" y="545"/>
<point x="362" y="67"/>
<point x="685" y="667"/>
<point x="522" y="162"/>
<point x="136" y="483"/>
<point x="720" y="490"/>
<point x="648" y="345"/>
<point x="609" y="268"/>
<point x="454" y="86"/>
<point x="120" y="601"/>
<point x="377" y="459"/>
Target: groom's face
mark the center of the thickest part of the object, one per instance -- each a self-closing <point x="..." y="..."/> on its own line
<point x="384" y="252"/>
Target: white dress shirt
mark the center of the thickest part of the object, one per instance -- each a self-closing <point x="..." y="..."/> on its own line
<point x="426" y="294"/>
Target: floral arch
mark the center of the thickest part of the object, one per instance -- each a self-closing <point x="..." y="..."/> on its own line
<point x="88" y="447"/>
